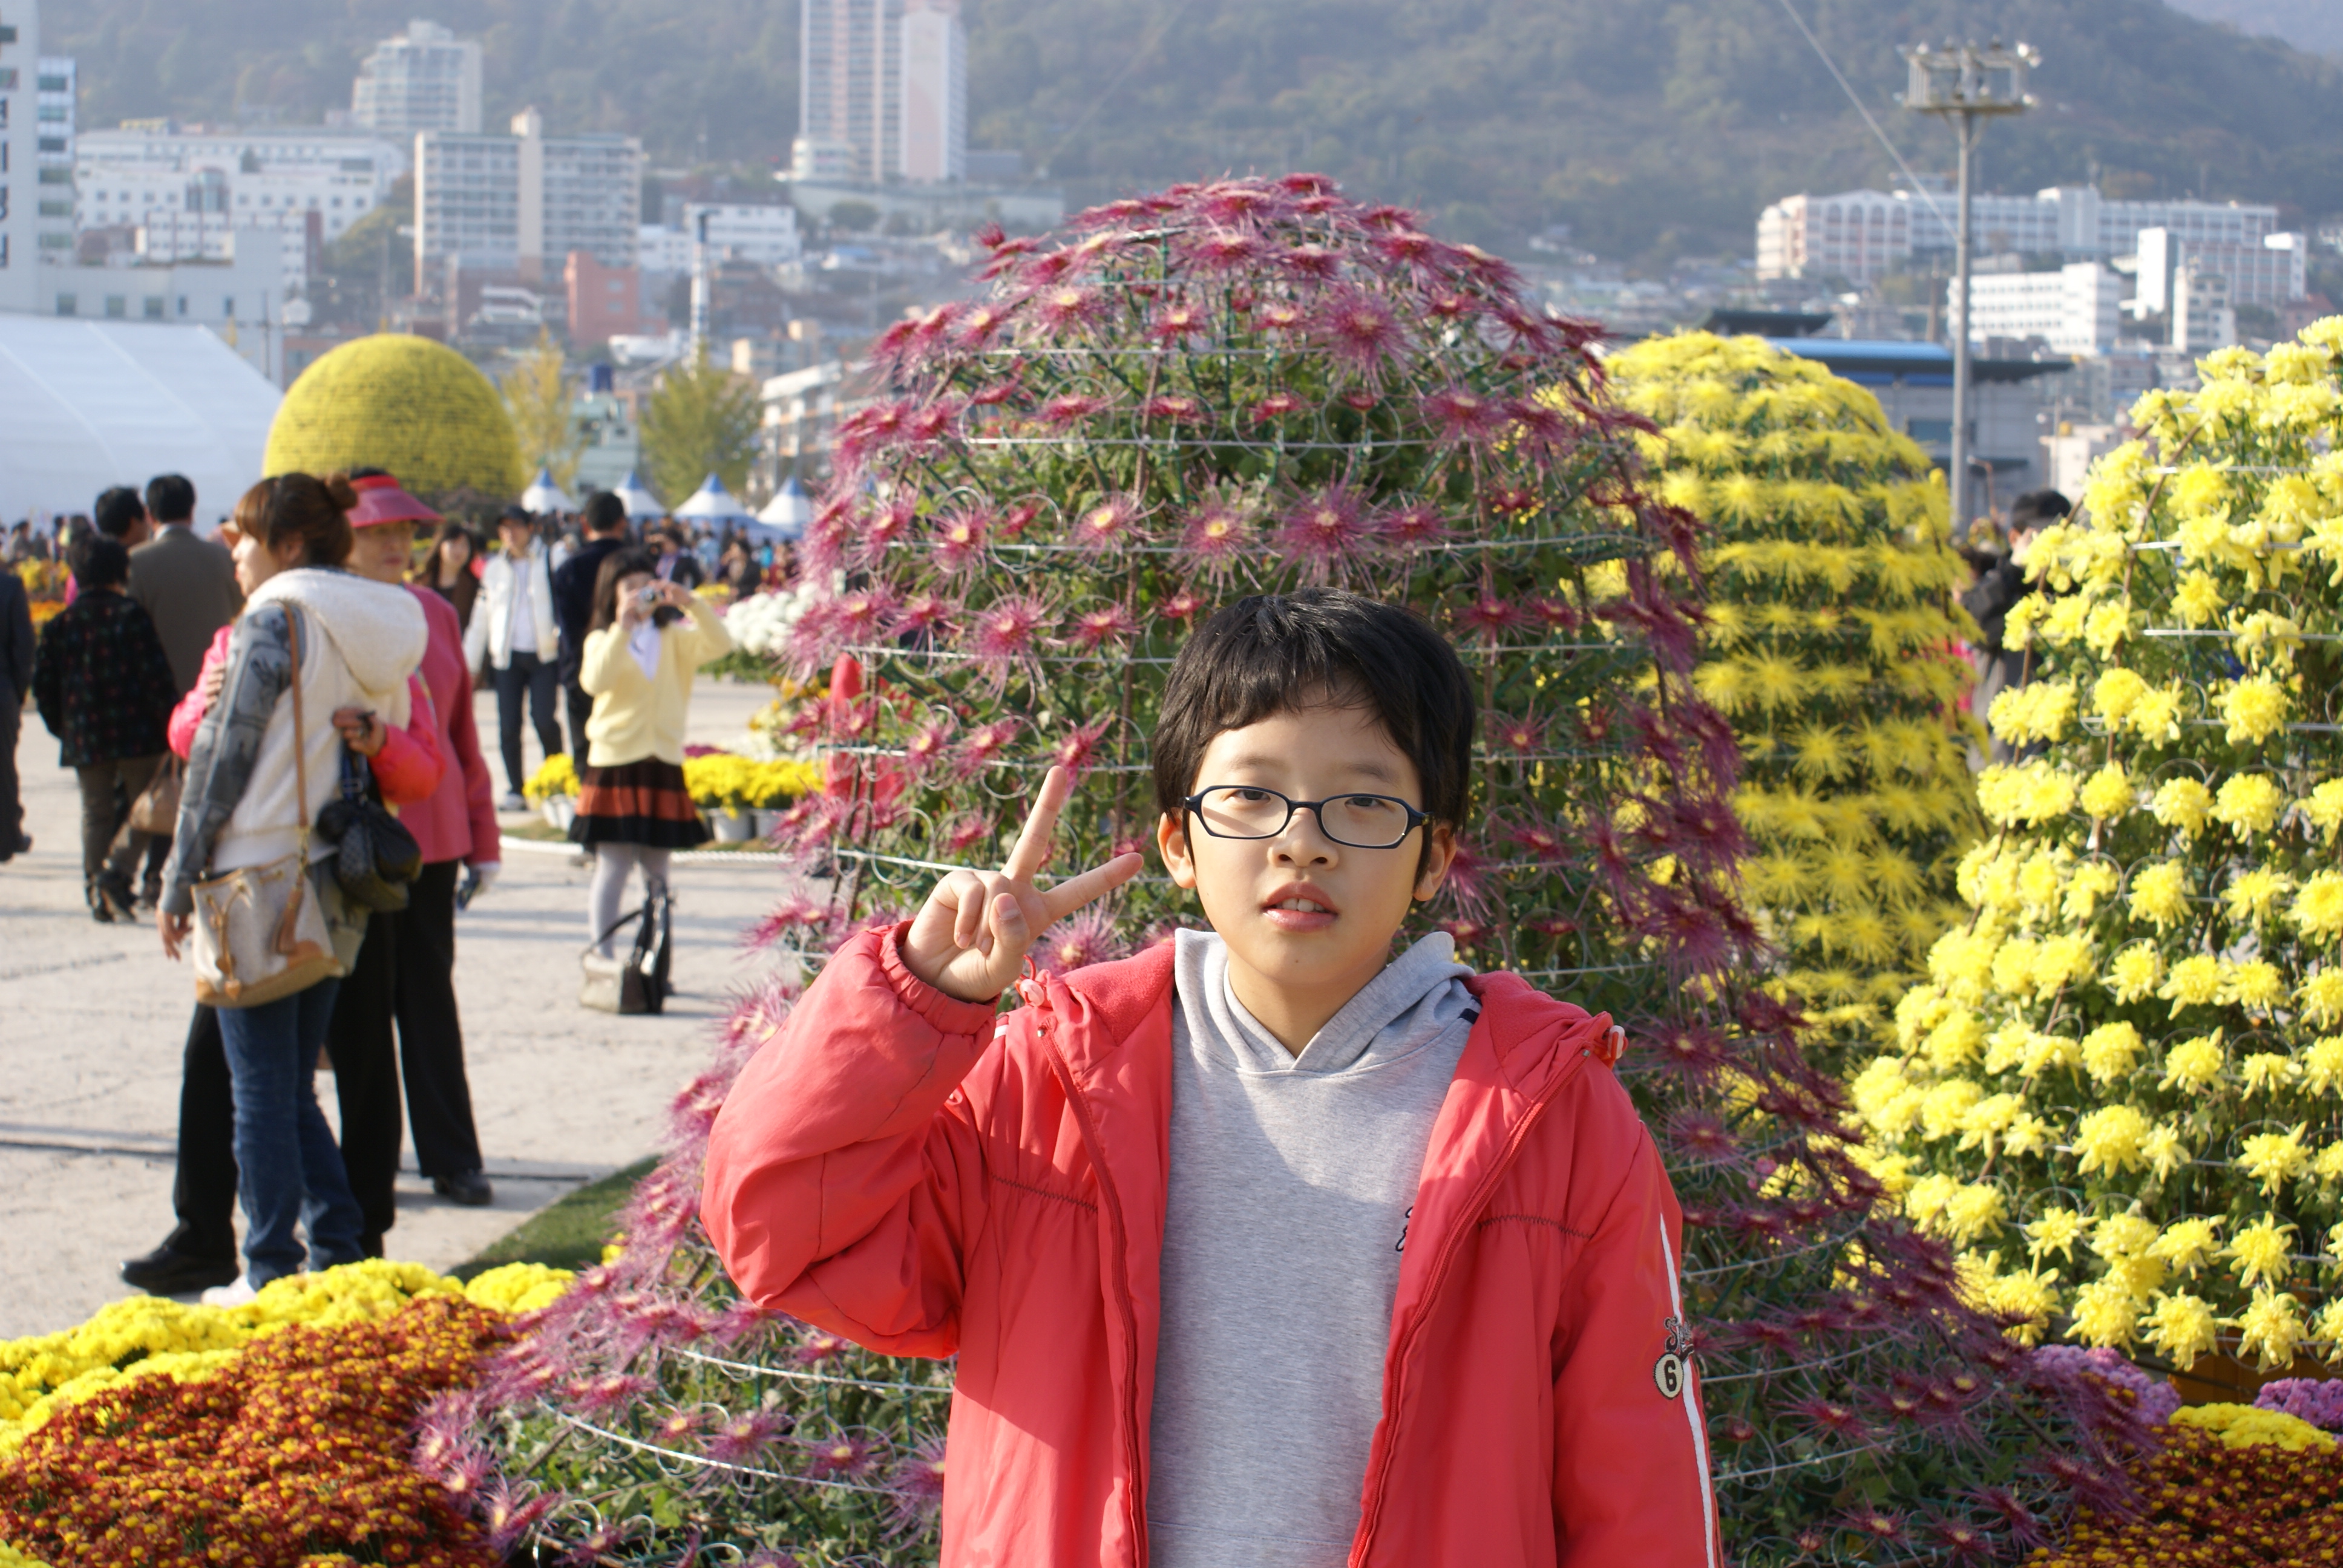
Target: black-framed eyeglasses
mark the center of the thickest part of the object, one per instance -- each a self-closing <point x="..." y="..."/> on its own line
<point x="1358" y="821"/>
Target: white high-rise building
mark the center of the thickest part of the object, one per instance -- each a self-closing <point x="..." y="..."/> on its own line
<point x="58" y="88"/>
<point x="523" y="202"/>
<point x="2078" y="309"/>
<point x="428" y="80"/>
<point x="2266" y="274"/>
<point x="887" y="80"/>
<point x="20" y="162"/>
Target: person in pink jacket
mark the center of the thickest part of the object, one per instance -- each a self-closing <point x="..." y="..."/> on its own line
<point x="406" y="972"/>
<point x="1265" y="1247"/>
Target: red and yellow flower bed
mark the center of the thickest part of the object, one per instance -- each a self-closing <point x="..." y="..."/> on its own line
<point x="271" y="1434"/>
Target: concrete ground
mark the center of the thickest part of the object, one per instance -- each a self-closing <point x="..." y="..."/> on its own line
<point x="92" y="1019"/>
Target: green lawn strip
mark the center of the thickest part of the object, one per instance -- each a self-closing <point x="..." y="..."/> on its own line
<point x="569" y="1234"/>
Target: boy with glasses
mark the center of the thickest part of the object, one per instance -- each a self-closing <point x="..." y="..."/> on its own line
<point x="1264" y="1247"/>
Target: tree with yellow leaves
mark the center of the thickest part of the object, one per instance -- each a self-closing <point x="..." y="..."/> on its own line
<point x="537" y="395"/>
<point x="2125" y="1073"/>
<point x="1831" y="644"/>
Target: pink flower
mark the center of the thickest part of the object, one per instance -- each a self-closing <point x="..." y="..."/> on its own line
<point x="1520" y="735"/>
<point x="1310" y="261"/>
<point x="1557" y="615"/>
<point x="994" y="393"/>
<point x="1235" y="201"/>
<point x="1181" y="320"/>
<point x="818" y="1346"/>
<point x="932" y="423"/>
<point x="1276" y="405"/>
<point x="1388" y="217"/>
<point x="1108" y="523"/>
<point x="1463" y="414"/>
<point x="959" y="541"/>
<point x="1071" y="408"/>
<point x="1222" y="250"/>
<point x="843" y="1455"/>
<point x="600" y="1396"/>
<point x="1407" y="246"/>
<point x="1279" y="316"/>
<point x="1539" y="422"/>
<point x="745" y="1437"/>
<point x="1019" y="518"/>
<point x="1324" y="530"/>
<point x="1449" y="305"/>
<point x="977" y="325"/>
<point x="882" y="530"/>
<point x="1184" y="605"/>
<point x="1093" y="628"/>
<point x="864" y="616"/>
<point x="984" y="743"/>
<point x="1419" y="526"/>
<point x="1363" y="401"/>
<point x="1175" y="408"/>
<point x="1490" y="617"/>
<point x="965" y="830"/>
<point x="1088" y="937"/>
<point x="1065" y="305"/>
<point x="926" y="614"/>
<point x="927" y="747"/>
<point x="1075" y="751"/>
<point x="1214" y="534"/>
<point x="1007" y="630"/>
<point x="918" y="1483"/>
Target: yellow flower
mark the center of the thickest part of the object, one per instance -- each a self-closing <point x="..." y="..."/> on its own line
<point x="2183" y="803"/>
<point x="2319" y="908"/>
<point x="2053" y="1231"/>
<point x="2159" y="894"/>
<point x="2115" y="693"/>
<point x="2107" y="794"/>
<point x="2106" y="627"/>
<point x="2156" y="717"/>
<point x="2134" y="974"/>
<point x="2322" y="1065"/>
<point x="2027" y="1297"/>
<point x="2252" y="895"/>
<point x="2325" y="806"/>
<point x="2328" y="1163"/>
<point x="2245" y="1426"/>
<point x="2110" y="1050"/>
<point x="2029" y="1134"/>
<point x="2321" y="996"/>
<point x="2259" y="1250"/>
<point x="2274" y="1159"/>
<point x="1975" y="1210"/>
<point x="2163" y="1151"/>
<point x="2039" y="710"/>
<point x="2193" y="1064"/>
<point x="2024" y="795"/>
<point x="2108" y="1138"/>
<point x="2267" y="1072"/>
<point x="2249" y="803"/>
<point x="1942" y="1108"/>
<point x="2195" y="982"/>
<point x="2199" y="599"/>
<point x="1984" y="1120"/>
<point x="2189" y="1245"/>
<point x="2047" y="1053"/>
<point x="2182" y="1328"/>
<point x="2061" y="960"/>
<point x="2254" y="984"/>
<point x="2271" y="1329"/>
<point x="1954" y="1041"/>
<point x="2104" y="1314"/>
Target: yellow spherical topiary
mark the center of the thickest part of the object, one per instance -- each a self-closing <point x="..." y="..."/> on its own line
<point x="407" y="404"/>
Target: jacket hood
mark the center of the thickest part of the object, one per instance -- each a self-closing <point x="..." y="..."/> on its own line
<point x="379" y="630"/>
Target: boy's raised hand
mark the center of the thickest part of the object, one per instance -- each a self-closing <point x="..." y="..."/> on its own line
<point x="969" y="938"/>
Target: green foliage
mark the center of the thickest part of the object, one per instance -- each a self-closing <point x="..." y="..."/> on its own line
<point x="701" y="420"/>
<point x="536" y="393"/>
<point x="1652" y="129"/>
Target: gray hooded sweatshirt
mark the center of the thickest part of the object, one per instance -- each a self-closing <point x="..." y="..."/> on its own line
<point x="1291" y="1181"/>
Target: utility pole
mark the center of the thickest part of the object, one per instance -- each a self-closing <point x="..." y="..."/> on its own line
<point x="1964" y="84"/>
<point x="699" y="285"/>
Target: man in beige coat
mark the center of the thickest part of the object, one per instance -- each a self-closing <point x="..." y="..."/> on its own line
<point x="187" y="586"/>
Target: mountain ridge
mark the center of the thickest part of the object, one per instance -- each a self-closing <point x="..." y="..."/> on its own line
<point x="1652" y="130"/>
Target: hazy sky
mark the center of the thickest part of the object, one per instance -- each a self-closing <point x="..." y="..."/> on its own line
<point x="2313" y="25"/>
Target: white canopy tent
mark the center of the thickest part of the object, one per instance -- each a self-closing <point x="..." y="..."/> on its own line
<point x="785" y="516"/>
<point x="84" y="405"/>
<point x="636" y="498"/>
<point x="544" y="496"/>
<point x="713" y="504"/>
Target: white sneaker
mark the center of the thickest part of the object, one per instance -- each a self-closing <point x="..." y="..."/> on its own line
<point x="234" y="1294"/>
<point x="512" y="802"/>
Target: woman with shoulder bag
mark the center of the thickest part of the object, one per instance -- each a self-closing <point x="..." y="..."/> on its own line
<point x="646" y="639"/>
<point x="320" y="661"/>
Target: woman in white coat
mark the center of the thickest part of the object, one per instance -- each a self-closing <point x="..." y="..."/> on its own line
<point x="512" y="635"/>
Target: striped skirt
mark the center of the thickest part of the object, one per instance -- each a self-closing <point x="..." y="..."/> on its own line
<point x="640" y="802"/>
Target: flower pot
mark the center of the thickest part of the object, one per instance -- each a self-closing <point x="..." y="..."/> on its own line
<point x="767" y="820"/>
<point x="560" y="810"/>
<point x="731" y="826"/>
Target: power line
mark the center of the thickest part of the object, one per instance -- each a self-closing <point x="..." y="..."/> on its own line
<point x="1146" y="47"/>
<point x="1832" y="66"/>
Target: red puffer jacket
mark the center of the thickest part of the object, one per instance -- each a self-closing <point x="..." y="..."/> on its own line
<point x="926" y="1179"/>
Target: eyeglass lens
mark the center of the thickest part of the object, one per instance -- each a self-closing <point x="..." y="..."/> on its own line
<point x="1362" y="821"/>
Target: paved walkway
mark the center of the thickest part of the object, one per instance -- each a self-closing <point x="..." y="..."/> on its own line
<point x="92" y="1018"/>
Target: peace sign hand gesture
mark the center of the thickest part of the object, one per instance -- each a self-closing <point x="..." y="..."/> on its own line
<point x="969" y="938"/>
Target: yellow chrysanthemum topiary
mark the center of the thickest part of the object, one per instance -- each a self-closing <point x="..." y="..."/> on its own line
<point x="1832" y="647"/>
<point x="2135" y="1034"/>
<point x="414" y="407"/>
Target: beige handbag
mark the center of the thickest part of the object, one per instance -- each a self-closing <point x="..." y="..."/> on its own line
<point x="259" y="932"/>
<point x="156" y="809"/>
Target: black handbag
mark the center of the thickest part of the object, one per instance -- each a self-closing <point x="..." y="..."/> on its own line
<point x="375" y="856"/>
<point x="638" y="983"/>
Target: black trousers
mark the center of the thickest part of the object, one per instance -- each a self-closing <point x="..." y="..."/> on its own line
<point x="202" y="1187"/>
<point x="12" y="797"/>
<point x="581" y="708"/>
<point x="405" y="974"/>
<point x="528" y="676"/>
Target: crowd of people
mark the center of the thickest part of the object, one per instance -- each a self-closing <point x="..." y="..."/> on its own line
<point x="219" y="699"/>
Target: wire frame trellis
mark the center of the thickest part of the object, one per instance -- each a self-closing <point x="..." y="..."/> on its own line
<point x="1256" y="386"/>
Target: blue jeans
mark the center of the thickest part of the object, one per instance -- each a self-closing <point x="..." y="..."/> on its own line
<point x="288" y="1167"/>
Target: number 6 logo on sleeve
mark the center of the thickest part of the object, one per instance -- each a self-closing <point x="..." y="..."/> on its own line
<point x="1668" y="1371"/>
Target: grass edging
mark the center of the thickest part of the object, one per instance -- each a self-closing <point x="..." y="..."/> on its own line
<point x="570" y="1232"/>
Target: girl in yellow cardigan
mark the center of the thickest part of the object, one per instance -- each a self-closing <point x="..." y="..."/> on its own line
<point x="645" y="641"/>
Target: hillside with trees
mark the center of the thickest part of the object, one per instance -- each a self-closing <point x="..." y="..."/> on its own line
<point x="1652" y="130"/>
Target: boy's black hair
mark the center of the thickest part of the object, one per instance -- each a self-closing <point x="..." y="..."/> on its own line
<point x="1270" y="653"/>
<point x="99" y="562"/>
<point x="170" y="499"/>
<point x="118" y="511"/>
<point x="2039" y="507"/>
<point x="604" y="512"/>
